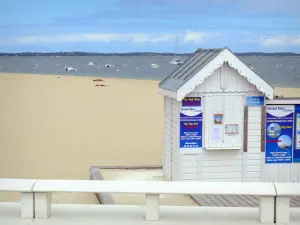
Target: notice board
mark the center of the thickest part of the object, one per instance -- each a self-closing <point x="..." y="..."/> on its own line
<point x="279" y="133"/>
<point x="191" y="125"/>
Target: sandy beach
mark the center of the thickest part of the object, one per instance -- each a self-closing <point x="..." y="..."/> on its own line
<point x="57" y="128"/>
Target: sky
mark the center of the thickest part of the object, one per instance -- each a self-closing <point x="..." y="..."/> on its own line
<point x="149" y="25"/>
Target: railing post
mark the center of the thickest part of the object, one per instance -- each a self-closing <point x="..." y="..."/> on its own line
<point x="152" y="206"/>
<point x="27" y="205"/>
<point x="266" y="209"/>
<point x="42" y="205"/>
<point x="282" y="210"/>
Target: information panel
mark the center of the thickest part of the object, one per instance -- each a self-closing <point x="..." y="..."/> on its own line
<point x="191" y="124"/>
<point x="279" y="133"/>
<point x="255" y="100"/>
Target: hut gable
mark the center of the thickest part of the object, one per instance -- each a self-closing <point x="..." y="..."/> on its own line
<point x="202" y="64"/>
<point x="225" y="80"/>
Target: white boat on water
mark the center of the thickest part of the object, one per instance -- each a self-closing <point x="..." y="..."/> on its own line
<point x="107" y="65"/>
<point x="155" y="66"/>
<point x="90" y="64"/>
<point x="175" y="60"/>
<point x="69" y="68"/>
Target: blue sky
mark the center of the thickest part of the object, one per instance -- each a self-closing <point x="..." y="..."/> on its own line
<point x="149" y="25"/>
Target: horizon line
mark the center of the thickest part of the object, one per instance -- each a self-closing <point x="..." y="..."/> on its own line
<point x="155" y="52"/>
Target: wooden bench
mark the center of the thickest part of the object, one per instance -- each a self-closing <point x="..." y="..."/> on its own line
<point x="24" y="186"/>
<point x="283" y="193"/>
<point x="44" y="188"/>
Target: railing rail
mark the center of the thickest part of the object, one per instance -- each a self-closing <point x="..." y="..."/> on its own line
<point x="36" y="195"/>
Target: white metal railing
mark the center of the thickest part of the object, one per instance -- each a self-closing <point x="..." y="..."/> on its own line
<point x="36" y="194"/>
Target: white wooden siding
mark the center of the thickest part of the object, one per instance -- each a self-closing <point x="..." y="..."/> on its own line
<point x="224" y="165"/>
<point x="189" y="167"/>
<point x="175" y="140"/>
<point x="226" y="79"/>
<point x="289" y="172"/>
<point x="232" y="106"/>
<point x="252" y="158"/>
<point x="167" y="156"/>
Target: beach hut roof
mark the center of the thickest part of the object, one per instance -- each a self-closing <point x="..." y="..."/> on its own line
<point x="200" y="65"/>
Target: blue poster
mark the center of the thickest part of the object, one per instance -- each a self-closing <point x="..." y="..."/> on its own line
<point x="279" y="133"/>
<point x="255" y="100"/>
<point x="296" y="155"/>
<point x="191" y="124"/>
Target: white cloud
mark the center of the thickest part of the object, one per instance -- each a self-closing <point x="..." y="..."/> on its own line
<point x="93" y="37"/>
<point x="280" y="40"/>
<point x="190" y="36"/>
<point x="152" y="38"/>
<point x="197" y="37"/>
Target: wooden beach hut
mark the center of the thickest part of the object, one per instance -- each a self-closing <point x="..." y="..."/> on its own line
<point x="214" y="119"/>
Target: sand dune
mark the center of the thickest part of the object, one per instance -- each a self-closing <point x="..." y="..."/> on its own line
<point x="57" y="128"/>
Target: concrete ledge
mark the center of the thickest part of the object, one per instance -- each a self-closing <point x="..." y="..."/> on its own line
<point x="95" y="174"/>
<point x="103" y="198"/>
<point x="71" y="214"/>
<point x="24" y="186"/>
<point x="135" y="215"/>
<point x="10" y="214"/>
<point x="287" y="189"/>
<point x="127" y="167"/>
<point x="16" y="185"/>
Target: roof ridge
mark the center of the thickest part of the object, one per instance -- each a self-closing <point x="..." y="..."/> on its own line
<point x="210" y="49"/>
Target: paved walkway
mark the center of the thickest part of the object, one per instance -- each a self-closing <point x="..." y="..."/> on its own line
<point x="156" y="174"/>
<point x="140" y="174"/>
<point x="135" y="215"/>
<point x="235" y="201"/>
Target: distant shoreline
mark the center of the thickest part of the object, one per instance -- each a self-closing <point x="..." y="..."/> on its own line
<point x="79" y="76"/>
<point x="54" y="54"/>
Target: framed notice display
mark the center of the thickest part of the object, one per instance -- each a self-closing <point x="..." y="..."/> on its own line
<point x="279" y="133"/>
<point x="191" y="125"/>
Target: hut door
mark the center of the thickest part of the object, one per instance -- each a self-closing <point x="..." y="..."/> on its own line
<point x="223" y="121"/>
<point x="222" y="156"/>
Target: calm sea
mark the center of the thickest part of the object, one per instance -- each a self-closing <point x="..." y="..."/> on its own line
<point x="278" y="71"/>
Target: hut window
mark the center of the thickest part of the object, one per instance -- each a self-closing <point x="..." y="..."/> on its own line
<point x="223" y="121"/>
